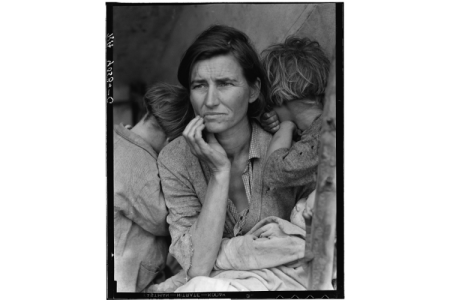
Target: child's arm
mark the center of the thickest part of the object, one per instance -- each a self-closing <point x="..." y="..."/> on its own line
<point x="282" y="138"/>
<point x="297" y="165"/>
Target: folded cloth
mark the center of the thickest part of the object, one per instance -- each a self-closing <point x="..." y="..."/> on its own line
<point x="168" y="286"/>
<point x="280" y="278"/>
<point x="268" y="258"/>
<point x="207" y="284"/>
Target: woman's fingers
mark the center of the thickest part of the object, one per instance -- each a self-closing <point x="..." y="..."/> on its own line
<point x="198" y="139"/>
<point x="189" y="134"/>
<point x="189" y="126"/>
<point x="260" y="232"/>
<point x="211" y="152"/>
<point x="214" y="153"/>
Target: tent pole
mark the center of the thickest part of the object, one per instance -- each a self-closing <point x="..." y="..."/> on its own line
<point x="320" y="245"/>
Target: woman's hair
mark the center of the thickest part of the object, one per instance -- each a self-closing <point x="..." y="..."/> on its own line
<point x="223" y="40"/>
<point x="170" y="106"/>
<point x="296" y="69"/>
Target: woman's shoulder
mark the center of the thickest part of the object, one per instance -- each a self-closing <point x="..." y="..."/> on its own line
<point x="260" y="137"/>
<point x="176" y="152"/>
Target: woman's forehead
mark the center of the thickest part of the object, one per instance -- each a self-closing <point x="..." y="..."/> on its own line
<point x="220" y="66"/>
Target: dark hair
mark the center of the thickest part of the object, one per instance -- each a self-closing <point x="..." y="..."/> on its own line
<point x="296" y="69"/>
<point x="170" y="106"/>
<point x="222" y="40"/>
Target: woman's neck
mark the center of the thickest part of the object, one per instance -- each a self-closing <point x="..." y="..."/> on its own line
<point x="236" y="141"/>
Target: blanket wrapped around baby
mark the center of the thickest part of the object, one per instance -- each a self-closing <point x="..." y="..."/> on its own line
<point x="268" y="258"/>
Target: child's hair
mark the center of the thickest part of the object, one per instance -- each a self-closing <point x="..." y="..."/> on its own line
<point x="296" y="69"/>
<point x="170" y="106"/>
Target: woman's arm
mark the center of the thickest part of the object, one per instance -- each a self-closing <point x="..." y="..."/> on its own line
<point x="282" y="138"/>
<point x="196" y="228"/>
<point x="208" y="230"/>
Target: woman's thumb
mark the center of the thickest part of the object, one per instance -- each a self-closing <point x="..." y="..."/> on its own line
<point x="210" y="138"/>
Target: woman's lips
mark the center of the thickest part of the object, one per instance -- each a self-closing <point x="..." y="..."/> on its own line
<point x="209" y="116"/>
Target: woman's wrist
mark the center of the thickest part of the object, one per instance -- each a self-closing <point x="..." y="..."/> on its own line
<point x="222" y="173"/>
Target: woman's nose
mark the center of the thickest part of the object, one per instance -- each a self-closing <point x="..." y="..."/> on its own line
<point x="211" y="98"/>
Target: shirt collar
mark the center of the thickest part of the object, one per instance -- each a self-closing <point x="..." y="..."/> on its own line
<point x="255" y="147"/>
<point x="134" y="139"/>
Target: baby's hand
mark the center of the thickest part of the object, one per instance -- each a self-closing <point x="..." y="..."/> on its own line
<point x="270" y="122"/>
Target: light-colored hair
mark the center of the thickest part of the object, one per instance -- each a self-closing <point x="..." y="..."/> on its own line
<point x="170" y="106"/>
<point x="296" y="69"/>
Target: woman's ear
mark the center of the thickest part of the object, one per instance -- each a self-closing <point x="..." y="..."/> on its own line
<point x="255" y="89"/>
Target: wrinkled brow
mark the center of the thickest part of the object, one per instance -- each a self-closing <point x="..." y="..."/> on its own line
<point x="218" y="79"/>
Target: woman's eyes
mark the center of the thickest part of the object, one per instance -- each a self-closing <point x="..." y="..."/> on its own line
<point x="220" y="84"/>
<point x="197" y="86"/>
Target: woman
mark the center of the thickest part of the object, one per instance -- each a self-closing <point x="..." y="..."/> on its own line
<point x="212" y="176"/>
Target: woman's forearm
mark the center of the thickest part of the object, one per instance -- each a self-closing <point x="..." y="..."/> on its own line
<point x="208" y="230"/>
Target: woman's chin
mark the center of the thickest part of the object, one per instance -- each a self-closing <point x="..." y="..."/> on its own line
<point x="215" y="127"/>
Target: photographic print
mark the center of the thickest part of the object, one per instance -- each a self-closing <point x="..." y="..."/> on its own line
<point x="225" y="150"/>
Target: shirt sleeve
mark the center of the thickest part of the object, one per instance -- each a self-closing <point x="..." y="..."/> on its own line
<point x="184" y="209"/>
<point x="292" y="167"/>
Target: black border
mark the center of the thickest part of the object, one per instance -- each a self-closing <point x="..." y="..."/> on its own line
<point x="110" y="283"/>
<point x="335" y="294"/>
<point x="339" y="52"/>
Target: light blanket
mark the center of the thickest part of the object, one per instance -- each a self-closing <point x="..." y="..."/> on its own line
<point x="268" y="258"/>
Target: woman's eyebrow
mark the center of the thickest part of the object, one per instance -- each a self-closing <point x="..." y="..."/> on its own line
<point x="198" y="81"/>
<point x="221" y="79"/>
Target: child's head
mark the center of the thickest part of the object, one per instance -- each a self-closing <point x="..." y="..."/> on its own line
<point x="170" y="107"/>
<point x="296" y="70"/>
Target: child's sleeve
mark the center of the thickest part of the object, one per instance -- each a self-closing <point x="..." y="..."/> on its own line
<point x="296" y="166"/>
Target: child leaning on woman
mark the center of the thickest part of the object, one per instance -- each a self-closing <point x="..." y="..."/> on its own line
<point x="297" y="72"/>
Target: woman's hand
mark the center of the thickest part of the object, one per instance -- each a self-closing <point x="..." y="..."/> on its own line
<point x="270" y="122"/>
<point x="212" y="152"/>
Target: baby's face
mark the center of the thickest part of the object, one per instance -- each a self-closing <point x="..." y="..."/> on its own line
<point x="311" y="199"/>
<point x="296" y="214"/>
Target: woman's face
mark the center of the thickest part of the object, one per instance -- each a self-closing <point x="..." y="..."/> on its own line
<point x="220" y="93"/>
